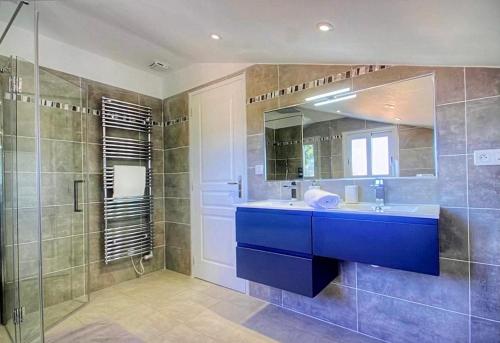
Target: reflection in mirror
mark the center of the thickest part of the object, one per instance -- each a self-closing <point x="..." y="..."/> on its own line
<point x="385" y="131"/>
<point x="284" y="144"/>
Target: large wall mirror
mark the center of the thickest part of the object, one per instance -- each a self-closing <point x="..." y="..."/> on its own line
<point x="384" y="131"/>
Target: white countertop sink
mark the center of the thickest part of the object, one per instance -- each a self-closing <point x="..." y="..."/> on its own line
<point x="403" y="210"/>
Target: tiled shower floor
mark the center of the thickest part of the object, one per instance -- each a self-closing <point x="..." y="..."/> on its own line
<point x="170" y="307"/>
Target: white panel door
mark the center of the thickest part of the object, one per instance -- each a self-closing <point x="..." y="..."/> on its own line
<point x="218" y="178"/>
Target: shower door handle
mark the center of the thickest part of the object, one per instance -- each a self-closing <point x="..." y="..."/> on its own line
<point x="76" y="195"/>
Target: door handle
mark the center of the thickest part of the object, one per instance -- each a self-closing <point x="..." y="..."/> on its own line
<point x="240" y="188"/>
<point x="76" y="195"/>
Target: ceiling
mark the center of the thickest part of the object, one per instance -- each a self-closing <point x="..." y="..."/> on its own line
<point x="136" y="32"/>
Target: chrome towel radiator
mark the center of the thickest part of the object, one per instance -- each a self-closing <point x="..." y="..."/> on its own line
<point x="128" y="222"/>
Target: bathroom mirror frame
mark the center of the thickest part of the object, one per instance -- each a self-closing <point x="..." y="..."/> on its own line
<point x="321" y="90"/>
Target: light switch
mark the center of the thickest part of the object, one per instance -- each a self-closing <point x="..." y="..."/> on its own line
<point x="490" y="157"/>
<point x="259" y="169"/>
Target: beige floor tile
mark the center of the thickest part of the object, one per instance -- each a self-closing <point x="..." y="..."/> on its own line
<point x="4" y="336"/>
<point x="67" y="325"/>
<point x="182" y="310"/>
<point x="213" y="325"/>
<point x="168" y="307"/>
<point x="56" y="313"/>
<point x="194" y="296"/>
<point x="184" y="334"/>
<point x="150" y="326"/>
<point x="234" y="312"/>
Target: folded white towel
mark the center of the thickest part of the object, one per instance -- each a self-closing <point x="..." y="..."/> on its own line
<point x="318" y="198"/>
<point x="129" y="181"/>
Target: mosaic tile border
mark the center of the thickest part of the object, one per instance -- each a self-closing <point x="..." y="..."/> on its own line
<point x="348" y="74"/>
<point x="58" y="105"/>
<point x="176" y="121"/>
<point x="307" y="140"/>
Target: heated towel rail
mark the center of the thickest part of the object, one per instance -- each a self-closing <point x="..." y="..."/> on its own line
<point x="128" y="222"/>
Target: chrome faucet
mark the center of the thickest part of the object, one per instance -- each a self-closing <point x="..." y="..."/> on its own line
<point x="378" y="184"/>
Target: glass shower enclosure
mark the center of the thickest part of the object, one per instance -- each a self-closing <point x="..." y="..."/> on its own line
<point x="43" y="184"/>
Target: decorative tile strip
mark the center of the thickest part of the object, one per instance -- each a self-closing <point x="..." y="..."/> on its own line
<point x="348" y="74"/>
<point x="295" y="142"/>
<point x="307" y="140"/>
<point x="176" y="121"/>
<point x="315" y="139"/>
<point x="58" y="105"/>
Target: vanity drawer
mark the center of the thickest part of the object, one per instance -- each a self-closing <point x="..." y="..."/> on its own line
<point x="412" y="245"/>
<point x="306" y="276"/>
<point x="275" y="229"/>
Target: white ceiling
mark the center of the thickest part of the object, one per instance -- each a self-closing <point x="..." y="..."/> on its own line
<point x="445" y="32"/>
<point x="136" y="32"/>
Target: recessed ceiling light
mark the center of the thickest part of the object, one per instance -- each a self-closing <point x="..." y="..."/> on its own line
<point x="215" y="36"/>
<point x="338" y="111"/>
<point x="324" y="26"/>
<point x="390" y="106"/>
<point x="397" y="119"/>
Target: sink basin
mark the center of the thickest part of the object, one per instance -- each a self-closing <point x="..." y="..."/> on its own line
<point x="404" y="210"/>
<point x="280" y="204"/>
<point x="373" y="207"/>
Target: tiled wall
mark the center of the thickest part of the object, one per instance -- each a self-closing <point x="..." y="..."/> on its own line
<point x="102" y="275"/>
<point x="463" y="303"/>
<point x="287" y="153"/>
<point x="416" y="151"/>
<point x="177" y="193"/>
<point x="71" y="149"/>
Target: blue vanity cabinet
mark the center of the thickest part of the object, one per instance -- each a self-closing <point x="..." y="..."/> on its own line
<point x="275" y="229"/>
<point x="396" y="242"/>
<point x="275" y="248"/>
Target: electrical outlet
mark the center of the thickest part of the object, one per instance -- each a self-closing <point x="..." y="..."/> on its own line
<point x="490" y="157"/>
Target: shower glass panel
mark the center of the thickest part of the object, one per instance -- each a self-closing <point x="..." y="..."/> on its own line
<point x="44" y="236"/>
<point x="21" y="261"/>
<point x="64" y="195"/>
<point x="20" y="246"/>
